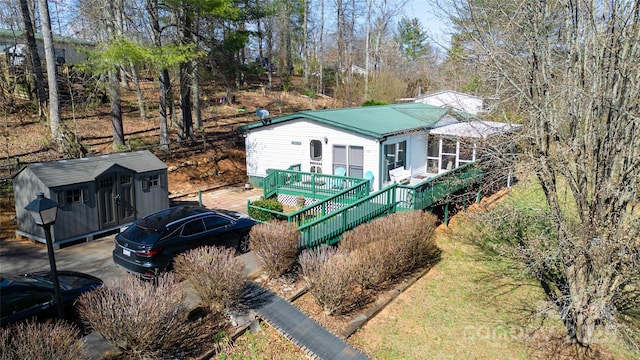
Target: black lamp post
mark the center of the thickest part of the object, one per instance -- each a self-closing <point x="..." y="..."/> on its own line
<point x="44" y="212"/>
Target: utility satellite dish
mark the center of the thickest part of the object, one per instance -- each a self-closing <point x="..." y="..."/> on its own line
<point x="263" y="114"/>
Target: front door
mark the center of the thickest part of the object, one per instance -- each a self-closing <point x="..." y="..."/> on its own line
<point x="115" y="199"/>
<point x="315" y="156"/>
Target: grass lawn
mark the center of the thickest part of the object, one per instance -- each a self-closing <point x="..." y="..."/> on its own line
<point x="464" y="308"/>
<point x="474" y="306"/>
<point x="468" y="306"/>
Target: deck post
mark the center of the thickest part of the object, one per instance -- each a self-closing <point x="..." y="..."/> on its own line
<point x="446" y="213"/>
<point x="464" y="200"/>
<point x="313" y="185"/>
<point x="199" y="197"/>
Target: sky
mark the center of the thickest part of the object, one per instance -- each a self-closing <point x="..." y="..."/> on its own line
<point x="432" y="23"/>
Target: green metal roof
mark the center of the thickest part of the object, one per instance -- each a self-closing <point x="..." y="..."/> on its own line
<point x="57" y="38"/>
<point x="374" y="121"/>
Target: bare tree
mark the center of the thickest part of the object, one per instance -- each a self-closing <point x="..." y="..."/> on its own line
<point x="34" y="56"/>
<point x="113" y="75"/>
<point x="184" y="17"/>
<point x="571" y="70"/>
<point x="47" y="36"/>
<point x="165" y="96"/>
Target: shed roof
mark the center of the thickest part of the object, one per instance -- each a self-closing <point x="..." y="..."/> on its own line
<point x="475" y="129"/>
<point x="374" y="121"/>
<point x="76" y="171"/>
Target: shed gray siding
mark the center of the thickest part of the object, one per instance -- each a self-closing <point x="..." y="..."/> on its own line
<point x="96" y="195"/>
<point x="151" y="198"/>
<point x="29" y="186"/>
<point x="75" y="219"/>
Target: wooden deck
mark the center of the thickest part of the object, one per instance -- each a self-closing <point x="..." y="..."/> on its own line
<point x="342" y="203"/>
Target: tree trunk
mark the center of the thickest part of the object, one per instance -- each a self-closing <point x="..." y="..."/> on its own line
<point x="114" y="79"/>
<point x="185" y="130"/>
<point x="321" y="78"/>
<point x="305" y="44"/>
<point x="165" y="96"/>
<point x="116" y="109"/>
<point x="340" y="23"/>
<point x="136" y="81"/>
<point x="367" y="37"/>
<point x="195" y="88"/>
<point x="164" y="92"/>
<point x="34" y="56"/>
<point x="54" y="103"/>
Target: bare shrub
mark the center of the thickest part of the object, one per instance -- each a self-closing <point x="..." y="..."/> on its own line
<point x="215" y="273"/>
<point x="413" y="241"/>
<point x="391" y="246"/>
<point x="367" y="233"/>
<point x="33" y="340"/>
<point x="144" y="319"/>
<point x="373" y="264"/>
<point x="329" y="276"/>
<point x="276" y="245"/>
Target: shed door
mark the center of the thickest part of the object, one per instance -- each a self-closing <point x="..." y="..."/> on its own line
<point x="115" y="199"/>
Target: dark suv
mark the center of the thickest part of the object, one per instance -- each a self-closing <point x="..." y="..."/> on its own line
<point x="149" y="245"/>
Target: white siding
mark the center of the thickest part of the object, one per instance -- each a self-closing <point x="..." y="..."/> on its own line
<point x="282" y="145"/>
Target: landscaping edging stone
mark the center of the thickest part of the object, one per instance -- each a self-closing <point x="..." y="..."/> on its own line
<point x="362" y="319"/>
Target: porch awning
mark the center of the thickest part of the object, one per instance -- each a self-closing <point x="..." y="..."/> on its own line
<point x="475" y="129"/>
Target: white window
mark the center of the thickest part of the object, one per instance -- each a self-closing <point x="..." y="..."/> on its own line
<point x="395" y="156"/>
<point x="351" y="159"/>
<point x="433" y="154"/>
<point x="448" y="154"/>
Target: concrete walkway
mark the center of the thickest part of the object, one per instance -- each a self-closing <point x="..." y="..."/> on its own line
<point x="296" y="326"/>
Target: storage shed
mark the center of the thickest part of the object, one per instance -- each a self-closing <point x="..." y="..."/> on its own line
<point x="97" y="195"/>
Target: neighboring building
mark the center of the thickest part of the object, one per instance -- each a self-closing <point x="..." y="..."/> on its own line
<point x="402" y="142"/>
<point x="13" y="44"/>
<point x="97" y="195"/>
<point x="455" y="100"/>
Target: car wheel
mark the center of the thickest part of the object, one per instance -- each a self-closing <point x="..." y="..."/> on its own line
<point x="243" y="244"/>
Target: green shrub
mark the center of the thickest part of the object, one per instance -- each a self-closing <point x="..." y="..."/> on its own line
<point x="372" y="102"/>
<point x="33" y="340"/>
<point x="137" y="143"/>
<point x="269" y="204"/>
<point x="310" y="93"/>
<point x="215" y="273"/>
<point x="276" y="245"/>
<point x="144" y="319"/>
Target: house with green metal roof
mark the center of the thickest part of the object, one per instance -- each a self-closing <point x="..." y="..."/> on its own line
<point x="400" y="143"/>
<point x="13" y="46"/>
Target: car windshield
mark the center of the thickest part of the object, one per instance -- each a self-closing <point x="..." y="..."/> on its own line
<point x="139" y="235"/>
